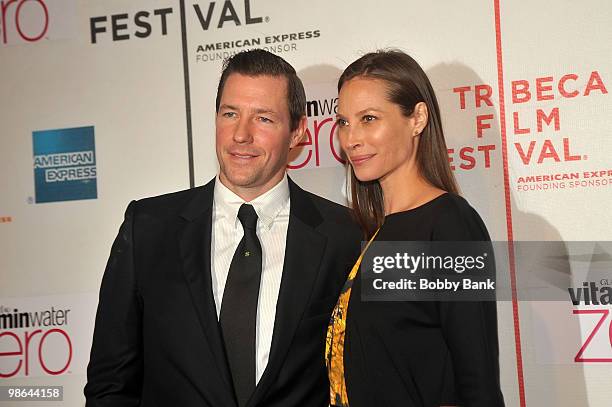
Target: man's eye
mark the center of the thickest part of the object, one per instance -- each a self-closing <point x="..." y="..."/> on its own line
<point x="341" y="122"/>
<point x="368" y="118"/>
<point x="229" y="114"/>
<point x="264" y="119"/>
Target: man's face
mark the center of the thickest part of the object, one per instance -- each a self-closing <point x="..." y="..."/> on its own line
<point x="253" y="135"/>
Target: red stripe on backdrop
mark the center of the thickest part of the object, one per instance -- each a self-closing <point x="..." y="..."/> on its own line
<point x="502" y="120"/>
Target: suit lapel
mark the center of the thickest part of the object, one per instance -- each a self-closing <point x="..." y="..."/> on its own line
<point x="303" y="253"/>
<point x="195" y="249"/>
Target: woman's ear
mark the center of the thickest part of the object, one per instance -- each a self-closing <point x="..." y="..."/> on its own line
<point x="421" y="114"/>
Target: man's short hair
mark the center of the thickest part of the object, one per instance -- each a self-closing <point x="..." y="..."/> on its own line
<point x="258" y="62"/>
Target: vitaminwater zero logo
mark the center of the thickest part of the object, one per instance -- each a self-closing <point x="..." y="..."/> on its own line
<point x="26" y="22"/>
<point x="35" y="21"/>
<point x="320" y="147"/>
<point x="597" y="347"/>
<point x="34" y="343"/>
<point x="65" y="164"/>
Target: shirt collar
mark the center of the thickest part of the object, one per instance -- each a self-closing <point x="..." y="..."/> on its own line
<point x="267" y="206"/>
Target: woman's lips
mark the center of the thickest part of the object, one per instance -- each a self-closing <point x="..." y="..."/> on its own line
<point x="360" y="159"/>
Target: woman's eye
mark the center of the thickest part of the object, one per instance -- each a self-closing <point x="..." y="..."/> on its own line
<point x="341" y="122"/>
<point x="368" y="118"/>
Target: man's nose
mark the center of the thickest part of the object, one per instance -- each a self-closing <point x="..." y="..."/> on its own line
<point x="242" y="131"/>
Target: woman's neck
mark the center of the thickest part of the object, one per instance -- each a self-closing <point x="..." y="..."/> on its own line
<point x="406" y="190"/>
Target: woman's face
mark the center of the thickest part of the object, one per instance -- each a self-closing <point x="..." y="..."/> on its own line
<point x="377" y="138"/>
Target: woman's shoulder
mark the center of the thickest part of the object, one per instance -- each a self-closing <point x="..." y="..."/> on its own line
<point x="446" y="203"/>
<point x="455" y="204"/>
<point x="456" y="219"/>
<point x="447" y="216"/>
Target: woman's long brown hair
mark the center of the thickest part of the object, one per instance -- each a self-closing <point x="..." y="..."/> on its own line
<point x="408" y="85"/>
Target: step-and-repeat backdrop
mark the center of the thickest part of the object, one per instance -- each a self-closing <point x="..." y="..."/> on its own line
<point x="108" y="101"/>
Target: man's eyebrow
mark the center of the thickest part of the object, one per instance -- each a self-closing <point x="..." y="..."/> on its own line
<point x="263" y="110"/>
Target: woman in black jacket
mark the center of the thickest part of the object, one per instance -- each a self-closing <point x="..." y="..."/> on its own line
<point x="412" y="353"/>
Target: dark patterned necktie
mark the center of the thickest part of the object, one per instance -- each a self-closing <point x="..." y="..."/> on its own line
<point x="239" y="306"/>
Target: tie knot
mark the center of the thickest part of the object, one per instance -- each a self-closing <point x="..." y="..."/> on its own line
<point x="247" y="216"/>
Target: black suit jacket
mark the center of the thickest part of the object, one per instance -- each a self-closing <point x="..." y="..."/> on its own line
<point x="157" y="340"/>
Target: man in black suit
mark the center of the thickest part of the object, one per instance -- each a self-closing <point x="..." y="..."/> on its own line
<point x="221" y="295"/>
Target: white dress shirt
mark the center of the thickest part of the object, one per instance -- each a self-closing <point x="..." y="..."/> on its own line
<point x="272" y="210"/>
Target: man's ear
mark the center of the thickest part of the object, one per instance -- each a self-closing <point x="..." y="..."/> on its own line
<point x="297" y="135"/>
<point x="421" y="115"/>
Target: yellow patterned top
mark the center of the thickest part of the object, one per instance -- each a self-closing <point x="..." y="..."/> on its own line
<point x="334" y="343"/>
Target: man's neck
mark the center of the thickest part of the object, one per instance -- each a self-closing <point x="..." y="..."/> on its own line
<point x="250" y="193"/>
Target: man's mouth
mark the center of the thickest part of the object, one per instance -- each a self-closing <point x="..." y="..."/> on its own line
<point x="243" y="155"/>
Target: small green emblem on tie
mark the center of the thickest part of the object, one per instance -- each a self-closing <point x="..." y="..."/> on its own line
<point x="247" y="254"/>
